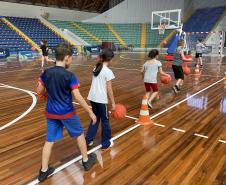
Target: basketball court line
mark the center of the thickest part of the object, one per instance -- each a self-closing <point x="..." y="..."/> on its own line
<point x="131" y="129"/>
<point x="137" y="59"/>
<point x="126" y="69"/>
<point x="84" y="65"/>
<point x="19" y="70"/>
<point x="34" y="101"/>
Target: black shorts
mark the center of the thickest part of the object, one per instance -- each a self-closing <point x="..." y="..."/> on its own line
<point x="197" y="55"/>
<point x="45" y="54"/>
<point x="178" y="72"/>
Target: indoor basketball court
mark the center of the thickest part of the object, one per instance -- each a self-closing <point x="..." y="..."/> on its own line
<point x="175" y="134"/>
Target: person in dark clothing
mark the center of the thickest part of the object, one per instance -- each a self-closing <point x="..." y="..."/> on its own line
<point x="45" y="53"/>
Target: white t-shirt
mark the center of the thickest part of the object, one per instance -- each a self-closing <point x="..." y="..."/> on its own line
<point x="200" y="47"/>
<point x="98" y="90"/>
<point x="151" y="71"/>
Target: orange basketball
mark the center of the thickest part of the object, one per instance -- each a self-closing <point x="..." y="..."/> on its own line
<point x="165" y="79"/>
<point x="120" y="112"/>
<point x="164" y="42"/>
<point x="186" y="70"/>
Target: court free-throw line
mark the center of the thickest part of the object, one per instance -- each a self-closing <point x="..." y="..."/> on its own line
<point x="34" y="102"/>
<point x="179" y="130"/>
<point x="222" y="141"/>
<point x="125" y="132"/>
<point x="200" y="135"/>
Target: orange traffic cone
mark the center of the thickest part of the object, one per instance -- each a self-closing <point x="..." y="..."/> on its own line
<point x="144" y="118"/>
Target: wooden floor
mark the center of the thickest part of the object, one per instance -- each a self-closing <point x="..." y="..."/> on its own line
<point x="185" y="146"/>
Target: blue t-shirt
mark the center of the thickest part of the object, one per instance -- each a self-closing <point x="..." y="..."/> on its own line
<point x="59" y="83"/>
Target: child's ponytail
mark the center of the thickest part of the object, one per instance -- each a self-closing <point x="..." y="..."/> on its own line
<point x="105" y="56"/>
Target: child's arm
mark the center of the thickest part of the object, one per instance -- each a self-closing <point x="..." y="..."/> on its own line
<point x="83" y="103"/>
<point x="111" y="94"/>
<point x="162" y="72"/>
<point x="142" y="71"/>
<point x="40" y="88"/>
<point x="184" y="58"/>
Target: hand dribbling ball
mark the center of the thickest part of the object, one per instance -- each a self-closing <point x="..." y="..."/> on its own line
<point x="120" y="112"/>
<point x="165" y="79"/>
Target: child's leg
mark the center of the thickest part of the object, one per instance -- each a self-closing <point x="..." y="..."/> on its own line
<point x="179" y="82"/>
<point x="106" y="130"/>
<point x="46" y="152"/>
<point x="82" y="147"/>
<point x="148" y="89"/>
<point x="92" y="130"/>
<point x="200" y="60"/>
<point x="43" y="61"/>
<point x="53" y="133"/>
<point x="155" y="92"/>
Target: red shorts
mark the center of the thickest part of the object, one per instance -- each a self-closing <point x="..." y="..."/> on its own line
<point x="149" y="86"/>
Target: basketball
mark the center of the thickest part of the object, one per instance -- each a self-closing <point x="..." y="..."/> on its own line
<point x="186" y="70"/>
<point x="165" y="79"/>
<point x="164" y="42"/>
<point x="120" y="112"/>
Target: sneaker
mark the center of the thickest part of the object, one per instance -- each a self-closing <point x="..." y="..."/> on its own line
<point x="201" y="66"/>
<point x="150" y="105"/>
<point x="92" y="158"/>
<point x="105" y="149"/>
<point x="90" y="144"/>
<point x="43" y="175"/>
<point x="175" y="90"/>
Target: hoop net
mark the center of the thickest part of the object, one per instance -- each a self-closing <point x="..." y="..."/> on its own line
<point x="162" y="28"/>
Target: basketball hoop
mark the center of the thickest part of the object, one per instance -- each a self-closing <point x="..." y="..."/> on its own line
<point x="161" y="29"/>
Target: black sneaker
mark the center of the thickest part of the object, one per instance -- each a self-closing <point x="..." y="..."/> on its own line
<point x="175" y="90"/>
<point x="150" y="105"/>
<point x="92" y="158"/>
<point x="43" y="175"/>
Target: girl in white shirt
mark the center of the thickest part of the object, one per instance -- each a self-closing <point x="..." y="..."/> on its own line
<point x="100" y="90"/>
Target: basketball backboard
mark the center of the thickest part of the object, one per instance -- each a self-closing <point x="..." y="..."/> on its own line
<point x="170" y="18"/>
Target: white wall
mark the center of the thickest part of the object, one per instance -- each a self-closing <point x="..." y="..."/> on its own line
<point x="136" y="11"/>
<point x="22" y="10"/>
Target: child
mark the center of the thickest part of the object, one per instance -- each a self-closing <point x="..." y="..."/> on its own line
<point x="100" y="89"/>
<point x="150" y="70"/>
<point x="199" y="49"/>
<point x="60" y="84"/>
<point x="45" y="53"/>
<point x="177" y="66"/>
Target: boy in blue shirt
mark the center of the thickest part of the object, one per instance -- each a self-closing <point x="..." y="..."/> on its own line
<point x="60" y="84"/>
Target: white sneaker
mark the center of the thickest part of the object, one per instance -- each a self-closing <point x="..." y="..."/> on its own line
<point x="150" y="105"/>
<point x="90" y="144"/>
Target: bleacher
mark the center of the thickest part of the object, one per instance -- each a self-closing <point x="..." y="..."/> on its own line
<point x="10" y="40"/>
<point x="68" y="25"/>
<point x="35" y="30"/>
<point x="202" y="20"/>
<point x="100" y="31"/>
<point x="154" y="38"/>
<point x="130" y="33"/>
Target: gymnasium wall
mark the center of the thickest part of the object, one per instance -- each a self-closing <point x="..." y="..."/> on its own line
<point x="22" y="10"/>
<point x="134" y="11"/>
<point x="208" y="3"/>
